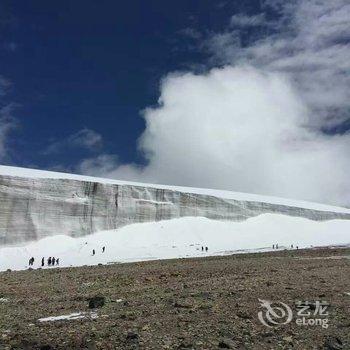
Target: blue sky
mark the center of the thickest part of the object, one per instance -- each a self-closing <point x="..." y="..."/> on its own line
<point x="83" y="64"/>
<point x="249" y="96"/>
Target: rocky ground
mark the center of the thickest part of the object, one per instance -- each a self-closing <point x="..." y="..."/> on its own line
<point x="207" y="303"/>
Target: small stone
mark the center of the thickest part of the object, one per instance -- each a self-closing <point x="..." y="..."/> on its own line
<point x="204" y="295"/>
<point x="185" y="345"/>
<point x="132" y="336"/>
<point x="244" y="315"/>
<point x="344" y="325"/>
<point x="333" y="343"/>
<point x="288" y="340"/>
<point x="46" y="347"/>
<point x="96" y="302"/>
<point x="226" y="344"/>
<point x="182" y="305"/>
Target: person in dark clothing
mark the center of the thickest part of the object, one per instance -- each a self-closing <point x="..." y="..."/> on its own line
<point x="202" y="248"/>
<point x="31" y="261"/>
<point x="49" y="261"/>
<point x="273" y="246"/>
<point x="93" y="252"/>
<point x="103" y="249"/>
<point x="43" y="262"/>
<point x="53" y="261"/>
<point x="206" y="249"/>
<point x="57" y="261"/>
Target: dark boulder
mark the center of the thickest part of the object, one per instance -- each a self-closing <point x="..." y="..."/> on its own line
<point x="96" y="302"/>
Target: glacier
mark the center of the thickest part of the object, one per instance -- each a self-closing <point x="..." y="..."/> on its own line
<point x="37" y="204"/>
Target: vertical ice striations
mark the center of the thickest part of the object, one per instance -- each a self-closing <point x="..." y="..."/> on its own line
<point x="32" y="208"/>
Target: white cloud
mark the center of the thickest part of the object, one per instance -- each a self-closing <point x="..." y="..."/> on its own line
<point x="256" y="124"/>
<point x="99" y="166"/>
<point x="7" y="124"/>
<point x="10" y="46"/>
<point x="190" y="33"/>
<point x="239" y="129"/>
<point x="84" y="138"/>
<point x="7" y="121"/>
<point x="242" y="20"/>
<point x="5" y="85"/>
<point x="311" y="45"/>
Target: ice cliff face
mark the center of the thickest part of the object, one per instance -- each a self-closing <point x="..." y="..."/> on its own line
<point x="32" y="208"/>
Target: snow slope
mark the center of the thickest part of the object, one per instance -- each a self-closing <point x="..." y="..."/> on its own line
<point x="42" y="174"/>
<point x="179" y="238"/>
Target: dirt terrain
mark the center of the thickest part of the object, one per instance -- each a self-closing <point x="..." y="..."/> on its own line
<point x="207" y="303"/>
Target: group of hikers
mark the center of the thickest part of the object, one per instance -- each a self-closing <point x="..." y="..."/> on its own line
<point x="51" y="261"/>
<point x="94" y="251"/>
<point x="275" y="246"/>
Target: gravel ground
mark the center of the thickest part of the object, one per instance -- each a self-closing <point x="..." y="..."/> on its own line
<point x="206" y="303"/>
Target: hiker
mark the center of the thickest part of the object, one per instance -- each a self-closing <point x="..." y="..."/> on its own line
<point x="103" y="249"/>
<point x="93" y="252"/>
<point x="297" y="247"/>
<point x="57" y="261"/>
<point x="291" y="246"/>
<point x="273" y="246"/>
<point x="43" y="262"/>
<point x="202" y="248"/>
<point x="206" y="249"/>
<point x="49" y="261"/>
<point x="31" y="261"/>
<point x="277" y="246"/>
<point x="53" y="261"/>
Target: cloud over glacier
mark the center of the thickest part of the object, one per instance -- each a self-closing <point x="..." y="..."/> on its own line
<point x="309" y="42"/>
<point x="258" y="123"/>
<point x="7" y="120"/>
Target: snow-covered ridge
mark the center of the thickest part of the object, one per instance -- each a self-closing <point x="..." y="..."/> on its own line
<point x="43" y="174"/>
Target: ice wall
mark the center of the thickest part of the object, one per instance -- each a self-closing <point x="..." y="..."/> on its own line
<point x="32" y="208"/>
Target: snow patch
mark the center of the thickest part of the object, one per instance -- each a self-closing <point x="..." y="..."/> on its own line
<point x="73" y="316"/>
<point x="180" y="238"/>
